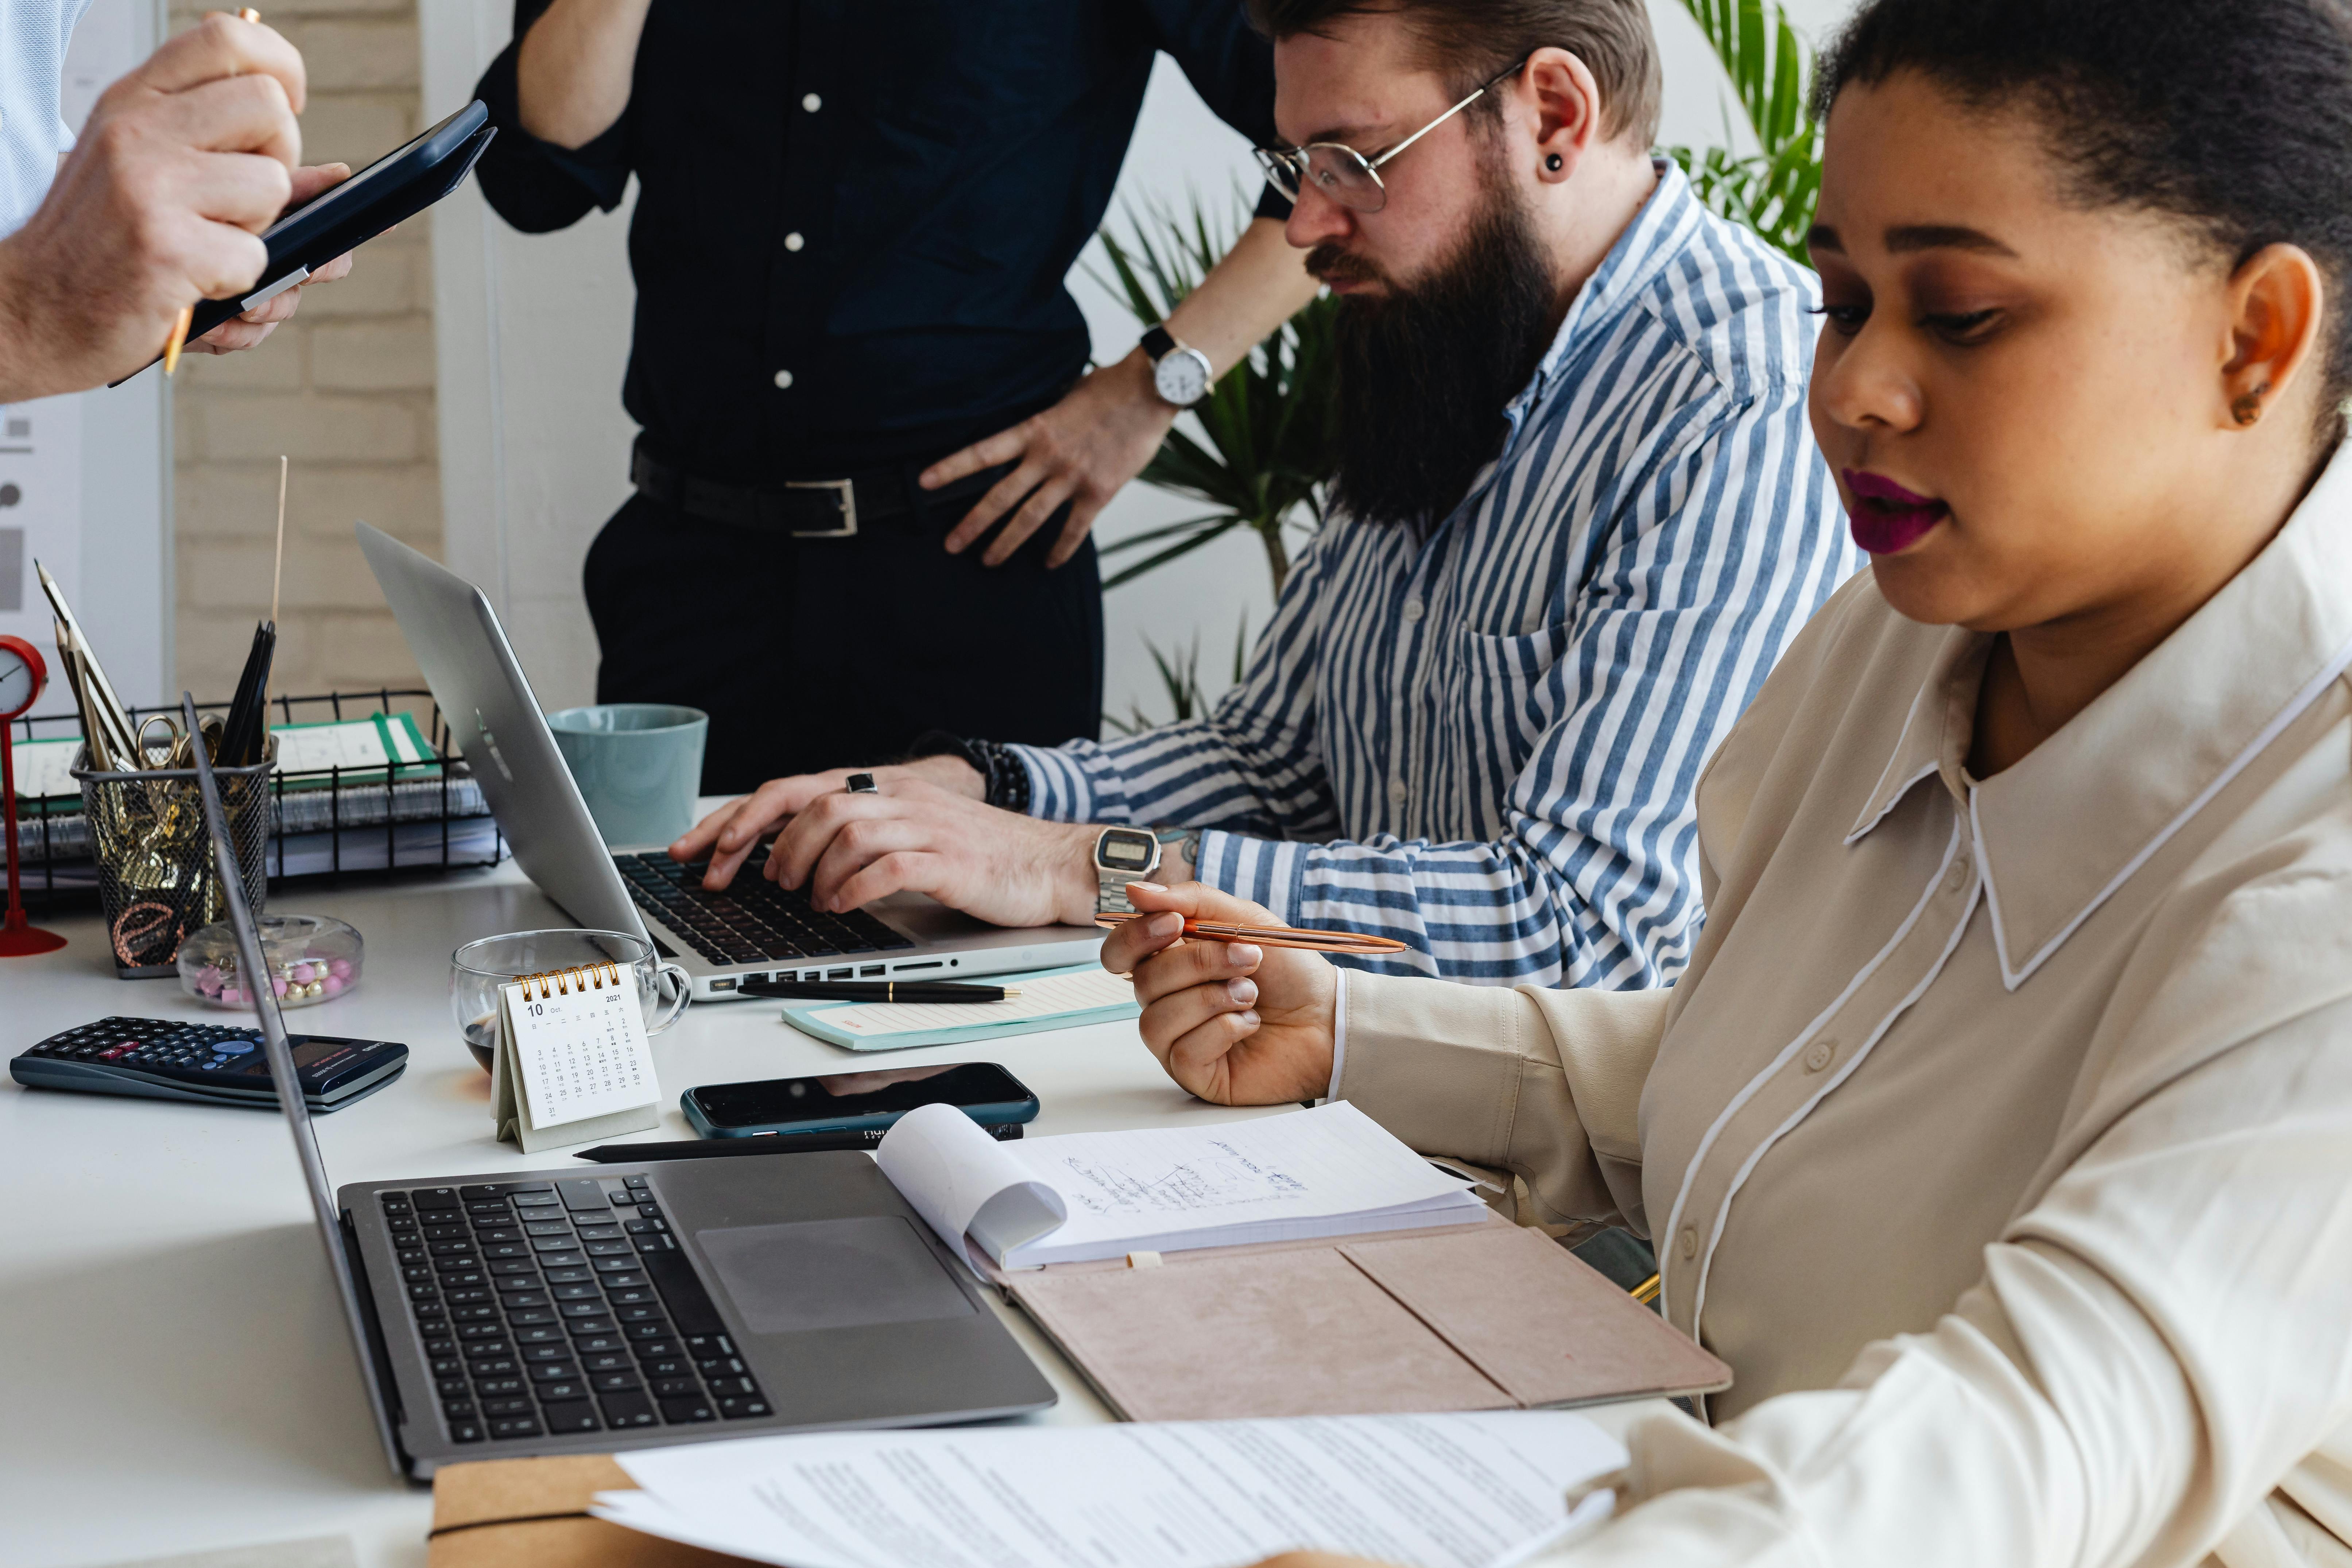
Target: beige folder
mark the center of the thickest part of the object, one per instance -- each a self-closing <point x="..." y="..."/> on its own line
<point x="1477" y="1317"/>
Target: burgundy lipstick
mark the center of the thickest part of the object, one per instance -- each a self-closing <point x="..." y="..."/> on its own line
<point x="1885" y="517"/>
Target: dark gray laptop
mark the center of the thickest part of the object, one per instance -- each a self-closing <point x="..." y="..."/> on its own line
<point x="556" y="1312"/>
<point x="755" y="928"/>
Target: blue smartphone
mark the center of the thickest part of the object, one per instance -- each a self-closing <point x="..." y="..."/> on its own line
<point x="857" y="1101"/>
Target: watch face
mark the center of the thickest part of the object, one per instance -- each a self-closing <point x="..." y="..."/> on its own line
<point x="1125" y="849"/>
<point x="16" y="681"/>
<point x="1181" y="377"/>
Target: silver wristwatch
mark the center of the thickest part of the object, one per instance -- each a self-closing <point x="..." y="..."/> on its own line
<point x="1124" y="855"/>
<point x="1180" y="374"/>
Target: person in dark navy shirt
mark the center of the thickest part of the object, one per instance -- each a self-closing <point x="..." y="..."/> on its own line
<point x="871" y="451"/>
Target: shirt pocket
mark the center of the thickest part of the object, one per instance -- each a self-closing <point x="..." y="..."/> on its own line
<point x="1501" y="703"/>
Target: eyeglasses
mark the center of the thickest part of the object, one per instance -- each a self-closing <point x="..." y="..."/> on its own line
<point x="1346" y="176"/>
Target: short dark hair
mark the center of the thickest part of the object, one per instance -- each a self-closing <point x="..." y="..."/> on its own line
<point x="1470" y="40"/>
<point x="2233" y="116"/>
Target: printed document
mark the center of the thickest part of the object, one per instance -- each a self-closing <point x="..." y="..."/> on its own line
<point x="1425" y="1491"/>
<point x="1332" y="1171"/>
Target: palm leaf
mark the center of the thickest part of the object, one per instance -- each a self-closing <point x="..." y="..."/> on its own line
<point x="1773" y="190"/>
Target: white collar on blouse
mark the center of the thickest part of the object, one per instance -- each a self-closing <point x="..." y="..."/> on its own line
<point x="2065" y="827"/>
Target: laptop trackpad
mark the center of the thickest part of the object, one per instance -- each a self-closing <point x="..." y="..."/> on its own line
<point x="831" y="1274"/>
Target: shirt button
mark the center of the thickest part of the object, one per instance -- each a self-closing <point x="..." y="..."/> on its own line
<point x="1688" y="1241"/>
<point x="1957" y="878"/>
<point x="1819" y="1055"/>
<point x="783" y="379"/>
<point x="811" y="102"/>
<point x="1413" y="609"/>
<point x="793" y="241"/>
<point x="1396" y="792"/>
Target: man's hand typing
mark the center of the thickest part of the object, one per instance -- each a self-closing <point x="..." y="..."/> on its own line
<point x="927" y="831"/>
<point x="915" y="835"/>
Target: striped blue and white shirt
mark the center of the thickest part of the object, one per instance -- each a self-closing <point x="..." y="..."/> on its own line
<point x="1484" y="741"/>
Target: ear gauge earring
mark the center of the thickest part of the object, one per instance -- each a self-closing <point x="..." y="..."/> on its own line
<point x="1553" y="162"/>
<point x="2248" y="408"/>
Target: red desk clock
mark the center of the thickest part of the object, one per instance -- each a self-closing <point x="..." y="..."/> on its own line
<point x="22" y="675"/>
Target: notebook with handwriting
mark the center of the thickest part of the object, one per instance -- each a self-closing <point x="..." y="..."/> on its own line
<point x="1332" y="1171"/>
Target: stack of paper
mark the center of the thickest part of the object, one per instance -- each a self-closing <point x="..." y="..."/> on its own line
<point x="1424" y="1491"/>
<point x="1332" y="1171"/>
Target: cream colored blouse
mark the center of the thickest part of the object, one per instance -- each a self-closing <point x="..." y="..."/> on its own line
<point x="1999" y="1133"/>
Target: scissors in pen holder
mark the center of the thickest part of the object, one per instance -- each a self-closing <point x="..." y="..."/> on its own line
<point x="177" y="753"/>
<point x="1346" y="941"/>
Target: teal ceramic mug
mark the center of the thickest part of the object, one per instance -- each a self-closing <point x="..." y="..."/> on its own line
<point x="638" y="767"/>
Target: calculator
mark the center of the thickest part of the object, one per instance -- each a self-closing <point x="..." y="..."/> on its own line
<point x="216" y="1064"/>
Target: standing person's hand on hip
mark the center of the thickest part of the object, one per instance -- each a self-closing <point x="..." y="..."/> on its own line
<point x="1085" y="448"/>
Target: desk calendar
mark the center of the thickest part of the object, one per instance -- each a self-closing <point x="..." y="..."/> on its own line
<point x="572" y="1063"/>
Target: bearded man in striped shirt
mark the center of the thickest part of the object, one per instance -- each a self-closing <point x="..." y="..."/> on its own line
<point x="1577" y="516"/>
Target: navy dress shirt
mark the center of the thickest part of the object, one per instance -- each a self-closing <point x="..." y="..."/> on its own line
<point x="854" y="218"/>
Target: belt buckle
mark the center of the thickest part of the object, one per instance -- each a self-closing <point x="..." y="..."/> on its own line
<point x="848" y="499"/>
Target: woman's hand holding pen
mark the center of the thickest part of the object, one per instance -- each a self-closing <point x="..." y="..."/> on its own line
<point x="1235" y="1024"/>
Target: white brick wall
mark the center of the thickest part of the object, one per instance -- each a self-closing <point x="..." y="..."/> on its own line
<point x="345" y="391"/>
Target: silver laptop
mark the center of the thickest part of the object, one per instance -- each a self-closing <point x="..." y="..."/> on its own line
<point x="503" y="1316"/>
<point x="755" y="928"/>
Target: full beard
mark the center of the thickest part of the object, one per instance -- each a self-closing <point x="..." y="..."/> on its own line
<point x="1425" y="371"/>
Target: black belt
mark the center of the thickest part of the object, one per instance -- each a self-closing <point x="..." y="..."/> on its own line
<point x="803" y="508"/>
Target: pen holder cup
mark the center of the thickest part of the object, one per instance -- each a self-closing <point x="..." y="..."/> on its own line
<point x="479" y="969"/>
<point x="156" y="875"/>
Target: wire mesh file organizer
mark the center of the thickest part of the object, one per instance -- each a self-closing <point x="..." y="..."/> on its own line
<point x="420" y="813"/>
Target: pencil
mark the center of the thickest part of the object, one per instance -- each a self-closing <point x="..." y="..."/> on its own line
<point x="1273" y="936"/>
<point x="179" y="338"/>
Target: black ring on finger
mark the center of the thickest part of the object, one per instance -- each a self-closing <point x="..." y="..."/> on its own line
<point x="861" y="783"/>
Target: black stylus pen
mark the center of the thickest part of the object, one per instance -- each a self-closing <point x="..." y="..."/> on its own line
<point x="878" y="991"/>
<point x="758" y="1143"/>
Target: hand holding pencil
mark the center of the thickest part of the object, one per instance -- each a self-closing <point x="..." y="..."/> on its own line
<point x="1236" y="1021"/>
<point x="180" y="167"/>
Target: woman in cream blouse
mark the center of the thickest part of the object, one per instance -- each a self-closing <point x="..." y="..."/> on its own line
<point x="1999" y="1133"/>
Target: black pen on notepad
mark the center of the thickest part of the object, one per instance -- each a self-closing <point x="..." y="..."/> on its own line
<point x="877" y="991"/>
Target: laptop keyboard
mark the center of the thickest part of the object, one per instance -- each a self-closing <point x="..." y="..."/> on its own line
<point x="548" y="1309"/>
<point x="755" y="920"/>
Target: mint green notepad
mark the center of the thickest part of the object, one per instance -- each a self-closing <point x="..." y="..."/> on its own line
<point x="1049" y="999"/>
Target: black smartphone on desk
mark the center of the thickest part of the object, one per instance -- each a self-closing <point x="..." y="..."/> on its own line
<point x="857" y="1101"/>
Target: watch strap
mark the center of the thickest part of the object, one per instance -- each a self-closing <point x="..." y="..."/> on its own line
<point x="1158" y="342"/>
<point x="1005" y="777"/>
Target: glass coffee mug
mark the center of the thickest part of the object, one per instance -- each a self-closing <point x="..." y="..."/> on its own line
<point x="479" y="969"/>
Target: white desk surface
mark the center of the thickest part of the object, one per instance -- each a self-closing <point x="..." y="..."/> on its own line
<point x="176" y="1376"/>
